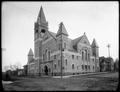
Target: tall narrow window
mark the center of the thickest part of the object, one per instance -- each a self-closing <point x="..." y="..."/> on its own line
<point x="72" y="56"/>
<point x="64" y="45"/>
<point x="59" y="46"/>
<point x="55" y="66"/>
<point x="43" y="57"/>
<point x="48" y="55"/>
<point x="88" y="57"/>
<point x="77" y="57"/>
<point x="85" y="54"/>
<point x="82" y="55"/>
<point x="85" y="67"/>
<point x="82" y="67"/>
<point x="58" y="62"/>
<point x="93" y="59"/>
<point x="89" y="67"/>
<point x="73" y="66"/>
<point x="66" y="61"/>
<point x="49" y="70"/>
<point x="54" y="56"/>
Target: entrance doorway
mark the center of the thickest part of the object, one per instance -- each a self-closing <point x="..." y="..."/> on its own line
<point x="46" y="70"/>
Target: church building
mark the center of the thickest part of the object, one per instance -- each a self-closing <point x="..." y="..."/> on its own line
<point x="56" y="54"/>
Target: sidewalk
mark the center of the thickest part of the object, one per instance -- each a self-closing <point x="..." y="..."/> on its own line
<point x="67" y="76"/>
<point x="7" y="82"/>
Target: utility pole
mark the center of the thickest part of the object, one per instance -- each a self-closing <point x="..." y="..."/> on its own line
<point x="108" y="49"/>
<point x="109" y="53"/>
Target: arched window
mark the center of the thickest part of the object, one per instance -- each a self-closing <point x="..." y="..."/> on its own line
<point x="82" y="55"/>
<point x="43" y="31"/>
<point x="73" y="66"/>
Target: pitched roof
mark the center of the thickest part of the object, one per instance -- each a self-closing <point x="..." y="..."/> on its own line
<point x="94" y="43"/>
<point x="30" y="52"/>
<point x="62" y="30"/>
<point x="53" y="34"/>
<point x="75" y="41"/>
<point x="41" y="16"/>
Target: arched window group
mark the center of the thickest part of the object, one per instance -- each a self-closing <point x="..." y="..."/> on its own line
<point x="85" y="55"/>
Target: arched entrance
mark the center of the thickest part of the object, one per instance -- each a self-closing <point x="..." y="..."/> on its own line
<point x="46" y="70"/>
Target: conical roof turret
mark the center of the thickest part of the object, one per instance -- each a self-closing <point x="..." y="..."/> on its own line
<point x="94" y="43"/>
<point x="62" y="30"/>
<point x="41" y="16"/>
<point x="30" y="52"/>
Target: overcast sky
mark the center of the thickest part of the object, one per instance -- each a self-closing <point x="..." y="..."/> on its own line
<point x="98" y="20"/>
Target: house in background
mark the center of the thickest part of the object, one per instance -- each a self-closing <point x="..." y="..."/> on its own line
<point x="106" y="64"/>
<point x="20" y="72"/>
<point x="116" y="65"/>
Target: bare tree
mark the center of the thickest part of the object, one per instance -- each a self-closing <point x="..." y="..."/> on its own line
<point x="6" y="68"/>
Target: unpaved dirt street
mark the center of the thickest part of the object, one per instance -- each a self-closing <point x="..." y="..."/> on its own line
<point x="107" y="81"/>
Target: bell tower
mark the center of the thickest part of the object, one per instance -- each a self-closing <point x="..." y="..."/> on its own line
<point x="40" y="27"/>
<point x="95" y="53"/>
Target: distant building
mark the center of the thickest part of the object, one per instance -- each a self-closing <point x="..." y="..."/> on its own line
<point x="116" y="65"/>
<point x="78" y="55"/>
<point x="106" y="64"/>
<point x="20" y="72"/>
<point x="25" y="69"/>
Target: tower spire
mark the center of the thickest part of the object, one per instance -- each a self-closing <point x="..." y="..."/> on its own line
<point x="94" y="43"/>
<point x="41" y="16"/>
<point x="30" y="52"/>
